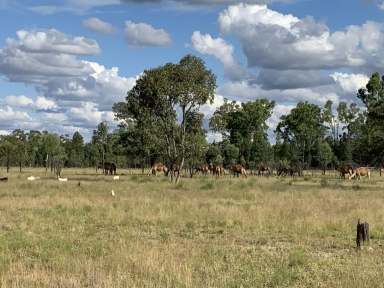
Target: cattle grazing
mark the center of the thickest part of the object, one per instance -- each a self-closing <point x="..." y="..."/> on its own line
<point x="33" y="178"/>
<point x="264" y="170"/>
<point x="203" y="169"/>
<point x="218" y="170"/>
<point x="282" y="171"/>
<point x="116" y="177"/>
<point x="174" y="171"/>
<point x="108" y="168"/>
<point x="238" y="170"/>
<point x="291" y="170"/>
<point x="295" y="169"/>
<point x="344" y="170"/>
<point x="158" y="167"/>
<point x="359" y="172"/>
<point x="62" y="179"/>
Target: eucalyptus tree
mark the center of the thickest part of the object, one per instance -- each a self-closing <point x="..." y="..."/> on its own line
<point x="162" y="100"/>
<point x="245" y="126"/>
<point x="302" y="128"/>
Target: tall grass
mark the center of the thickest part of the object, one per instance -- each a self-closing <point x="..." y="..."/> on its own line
<point x="204" y="232"/>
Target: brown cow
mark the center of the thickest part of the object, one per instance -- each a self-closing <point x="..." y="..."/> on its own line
<point x="263" y="169"/>
<point x="238" y="170"/>
<point x="204" y="169"/>
<point x="344" y="170"/>
<point x="158" y="167"/>
<point x="218" y="170"/>
<point x="359" y="172"/>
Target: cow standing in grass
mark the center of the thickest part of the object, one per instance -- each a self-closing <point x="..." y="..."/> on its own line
<point x="204" y="169"/>
<point x="238" y="170"/>
<point x="345" y="170"/>
<point x="108" y="168"/>
<point x="360" y="172"/>
<point x="263" y="169"/>
<point x="218" y="170"/>
<point x="158" y="167"/>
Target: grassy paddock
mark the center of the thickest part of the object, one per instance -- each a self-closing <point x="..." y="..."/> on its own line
<point x="203" y="232"/>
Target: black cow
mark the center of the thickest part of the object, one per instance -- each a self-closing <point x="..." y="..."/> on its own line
<point x="108" y="169"/>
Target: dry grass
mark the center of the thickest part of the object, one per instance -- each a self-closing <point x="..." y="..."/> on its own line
<point x="204" y="232"/>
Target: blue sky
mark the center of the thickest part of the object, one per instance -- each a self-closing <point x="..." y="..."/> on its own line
<point x="287" y="51"/>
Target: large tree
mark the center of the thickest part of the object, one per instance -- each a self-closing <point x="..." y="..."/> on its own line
<point x="372" y="97"/>
<point x="245" y="126"/>
<point x="164" y="98"/>
<point x="303" y="129"/>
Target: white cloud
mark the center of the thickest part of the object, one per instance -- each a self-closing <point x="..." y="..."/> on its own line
<point x="278" y="41"/>
<point x="209" y="109"/>
<point x="43" y="103"/>
<point x="99" y="25"/>
<point x="219" y="48"/>
<point x="350" y="83"/>
<point x="8" y="114"/>
<point x="49" y="60"/>
<point x="18" y="101"/>
<point x="89" y="115"/>
<point x="143" y="34"/>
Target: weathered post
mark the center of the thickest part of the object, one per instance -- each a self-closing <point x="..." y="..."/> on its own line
<point x="362" y="233"/>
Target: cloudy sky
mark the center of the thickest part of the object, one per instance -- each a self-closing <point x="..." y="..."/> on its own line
<point x="63" y="63"/>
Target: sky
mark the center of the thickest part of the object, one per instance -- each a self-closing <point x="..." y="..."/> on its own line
<point x="63" y="63"/>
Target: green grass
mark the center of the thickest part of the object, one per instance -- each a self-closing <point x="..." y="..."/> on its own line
<point x="203" y="232"/>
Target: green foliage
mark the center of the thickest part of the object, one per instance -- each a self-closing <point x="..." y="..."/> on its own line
<point x="303" y="128"/>
<point x="159" y="93"/>
<point x="244" y="126"/>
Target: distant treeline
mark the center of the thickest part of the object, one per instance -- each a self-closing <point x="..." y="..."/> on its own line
<point x="162" y="122"/>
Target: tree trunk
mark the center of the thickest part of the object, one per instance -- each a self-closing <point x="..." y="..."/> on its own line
<point x="8" y="163"/>
<point x="182" y="145"/>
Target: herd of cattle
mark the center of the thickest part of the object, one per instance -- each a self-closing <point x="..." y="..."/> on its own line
<point x="345" y="170"/>
<point x="293" y="170"/>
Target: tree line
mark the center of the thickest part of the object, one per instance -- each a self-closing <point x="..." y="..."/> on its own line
<point x="161" y="121"/>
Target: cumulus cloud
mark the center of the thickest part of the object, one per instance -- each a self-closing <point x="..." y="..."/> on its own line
<point x="41" y="103"/>
<point x="81" y="6"/>
<point x="50" y="61"/>
<point x="282" y="41"/>
<point x="18" y="101"/>
<point x="350" y="83"/>
<point x="270" y="79"/>
<point x="143" y="35"/>
<point x="98" y="25"/>
<point x="8" y="114"/>
<point x="219" y="48"/>
<point x="206" y="2"/>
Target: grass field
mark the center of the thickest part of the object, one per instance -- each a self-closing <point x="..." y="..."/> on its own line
<point x="203" y="232"/>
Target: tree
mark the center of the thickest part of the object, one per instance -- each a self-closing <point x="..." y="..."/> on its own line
<point x="76" y="150"/>
<point x="303" y="128"/>
<point x="231" y="154"/>
<point x="20" y="149"/>
<point x="7" y="149"/>
<point x="100" y="140"/>
<point x="325" y="155"/>
<point x="161" y="93"/>
<point x="213" y="153"/>
<point x="245" y="126"/>
<point x="372" y="97"/>
<point x="196" y="142"/>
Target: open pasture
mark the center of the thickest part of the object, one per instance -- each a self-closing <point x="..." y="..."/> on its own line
<point x="203" y="232"/>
